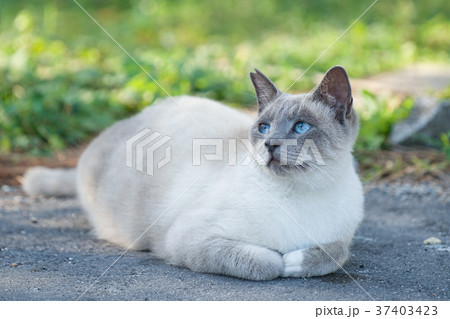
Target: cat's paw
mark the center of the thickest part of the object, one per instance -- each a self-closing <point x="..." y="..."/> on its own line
<point x="315" y="261"/>
<point x="264" y="264"/>
<point x="293" y="264"/>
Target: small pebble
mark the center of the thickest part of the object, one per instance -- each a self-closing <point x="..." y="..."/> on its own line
<point x="33" y="220"/>
<point x="14" y="265"/>
<point x="432" y="241"/>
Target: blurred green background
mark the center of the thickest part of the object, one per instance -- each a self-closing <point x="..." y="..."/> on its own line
<point x="62" y="79"/>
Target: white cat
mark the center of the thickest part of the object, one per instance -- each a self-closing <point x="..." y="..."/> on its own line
<point x="285" y="218"/>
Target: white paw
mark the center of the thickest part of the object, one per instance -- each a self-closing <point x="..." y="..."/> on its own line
<point x="293" y="263"/>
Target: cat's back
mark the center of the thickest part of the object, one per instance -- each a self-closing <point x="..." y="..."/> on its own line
<point x="196" y="117"/>
<point x="114" y="194"/>
<point x="182" y="118"/>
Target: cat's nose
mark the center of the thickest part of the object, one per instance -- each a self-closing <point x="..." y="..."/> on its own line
<point x="270" y="147"/>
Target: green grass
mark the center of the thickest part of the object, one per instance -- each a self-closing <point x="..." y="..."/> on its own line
<point x="376" y="121"/>
<point x="62" y="79"/>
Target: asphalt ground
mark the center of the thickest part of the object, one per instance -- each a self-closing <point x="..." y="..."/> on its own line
<point x="47" y="252"/>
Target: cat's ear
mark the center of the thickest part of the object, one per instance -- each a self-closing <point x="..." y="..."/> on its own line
<point x="335" y="91"/>
<point x="266" y="91"/>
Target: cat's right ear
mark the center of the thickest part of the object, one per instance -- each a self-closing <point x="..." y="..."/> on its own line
<point x="266" y="91"/>
<point x="335" y="91"/>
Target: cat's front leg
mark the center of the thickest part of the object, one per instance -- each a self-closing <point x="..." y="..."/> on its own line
<point x="315" y="261"/>
<point x="228" y="257"/>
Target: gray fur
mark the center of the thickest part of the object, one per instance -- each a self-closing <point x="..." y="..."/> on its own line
<point x="319" y="261"/>
<point x="334" y="124"/>
<point x="266" y="91"/>
<point x="229" y="257"/>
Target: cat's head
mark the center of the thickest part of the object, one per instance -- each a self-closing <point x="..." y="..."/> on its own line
<point x="297" y="133"/>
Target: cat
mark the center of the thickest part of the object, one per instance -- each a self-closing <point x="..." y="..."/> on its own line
<point x="283" y="217"/>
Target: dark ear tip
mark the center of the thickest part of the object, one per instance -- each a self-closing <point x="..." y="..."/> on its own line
<point x="337" y="68"/>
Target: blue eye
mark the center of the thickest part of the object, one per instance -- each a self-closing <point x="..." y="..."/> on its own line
<point x="301" y="127"/>
<point x="264" y="128"/>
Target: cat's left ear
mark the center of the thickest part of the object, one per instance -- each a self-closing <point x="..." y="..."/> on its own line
<point x="266" y="91"/>
<point x="335" y="91"/>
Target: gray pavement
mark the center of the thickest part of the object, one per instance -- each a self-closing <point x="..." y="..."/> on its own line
<point x="48" y="253"/>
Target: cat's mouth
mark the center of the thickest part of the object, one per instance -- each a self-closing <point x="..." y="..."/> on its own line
<point x="273" y="162"/>
<point x="276" y="167"/>
<point x="279" y="168"/>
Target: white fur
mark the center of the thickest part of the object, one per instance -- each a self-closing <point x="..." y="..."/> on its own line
<point x="293" y="263"/>
<point x="225" y="202"/>
<point x="49" y="182"/>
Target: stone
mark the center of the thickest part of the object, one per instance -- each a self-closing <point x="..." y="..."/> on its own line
<point x="432" y="241"/>
<point x="428" y="119"/>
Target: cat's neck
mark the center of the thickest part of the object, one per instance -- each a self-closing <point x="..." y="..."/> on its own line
<point x="319" y="178"/>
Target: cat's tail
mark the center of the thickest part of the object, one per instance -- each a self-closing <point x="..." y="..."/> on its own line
<point x="50" y="181"/>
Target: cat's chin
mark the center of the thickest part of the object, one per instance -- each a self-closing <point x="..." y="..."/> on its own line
<point x="276" y="168"/>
